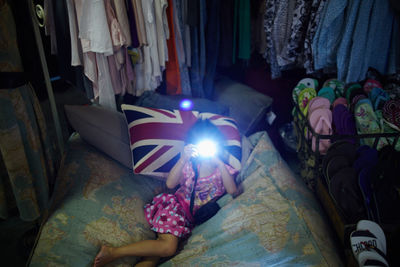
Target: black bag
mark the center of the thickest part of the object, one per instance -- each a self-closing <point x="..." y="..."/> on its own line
<point x="205" y="212"/>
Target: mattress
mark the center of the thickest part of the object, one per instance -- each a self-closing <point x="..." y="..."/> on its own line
<point x="275" y="221"/>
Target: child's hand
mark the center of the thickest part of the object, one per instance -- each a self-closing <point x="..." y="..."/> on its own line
<point x="188" y="152"/>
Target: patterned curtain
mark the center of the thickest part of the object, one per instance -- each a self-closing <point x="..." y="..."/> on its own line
<point x="27" y="157"/>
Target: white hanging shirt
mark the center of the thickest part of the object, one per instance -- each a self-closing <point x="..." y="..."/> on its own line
<point x="94" y="28"/>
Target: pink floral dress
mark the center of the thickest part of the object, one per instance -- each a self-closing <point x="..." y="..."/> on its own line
<point x="170" y="213"/>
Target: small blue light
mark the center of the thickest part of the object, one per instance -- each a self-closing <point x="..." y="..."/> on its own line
<point x="186" y="104"/>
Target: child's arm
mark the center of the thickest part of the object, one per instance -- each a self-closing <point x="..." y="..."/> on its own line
<point x="175" y="174"/>
<point x="227" y="178"/>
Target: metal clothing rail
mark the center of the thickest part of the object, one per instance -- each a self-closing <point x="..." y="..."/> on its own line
<point x="49" y="88"/>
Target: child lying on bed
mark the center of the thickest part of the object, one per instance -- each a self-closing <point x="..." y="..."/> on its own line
<point x="170" y="215"/>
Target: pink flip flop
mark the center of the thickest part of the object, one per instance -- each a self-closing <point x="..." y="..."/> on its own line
<point x="321" y="121"/>
<point x="318" y="102"/>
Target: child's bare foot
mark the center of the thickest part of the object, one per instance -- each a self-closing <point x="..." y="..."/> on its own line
<point x="103" y="257"/>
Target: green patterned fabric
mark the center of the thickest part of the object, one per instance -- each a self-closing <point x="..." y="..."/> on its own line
<point x="28" y="156"/>
<point x="275" y="221"/>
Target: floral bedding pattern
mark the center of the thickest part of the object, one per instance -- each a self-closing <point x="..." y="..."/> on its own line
<point x="275" y="221"/>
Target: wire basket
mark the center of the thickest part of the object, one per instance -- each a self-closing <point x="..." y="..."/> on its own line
<point x="310" y="160"/>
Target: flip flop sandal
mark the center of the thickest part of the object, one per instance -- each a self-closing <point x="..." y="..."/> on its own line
<point x="328" y="93"/>
<point x="386" y="128"/>
<point x="304" y="98"/>
<point x="339" y="90"/>
<point x="366" y="120"/>
<point x="315" y="103"/>
<point x="367" y="157"/>
<point x="335" y="164"/>
<point x="357" y="98"/>
<point x="365" y="183"/>
<point x="318" y="102"/>
<point x="376" y="230"/>
<point x="336" y="85"/>
<point x="372" y="257"/>
<point x="367" y="123"/>
<point x="361" y="240"/>
<point x="340" y="101"/>
<point x="391" y="113"/>
<point x="378" y="97"/>
<point x="356" y="92"/>
<point x="304" y="83"/>
<point x="371" y="84"/>
<point x="330" y="83"/>
<point x="346" y="194"/>
<point x="374" y="263"/>
<point x="365" y="246"/>
<point x="340" y="148"/>
<point x="349" y="126"/>
<point x="355" y="101"/>
<point x="324" y="127"/>
<point x="364" y="101"/>
<point x="321" y="122"/>
<point x="338" y="114"/>
<point x="381" y="121"/>
<point x="361" y="150"/>
<point x="350" y="89"/>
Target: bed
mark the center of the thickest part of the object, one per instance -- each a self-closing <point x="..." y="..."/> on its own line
<point x="276" y="221"/>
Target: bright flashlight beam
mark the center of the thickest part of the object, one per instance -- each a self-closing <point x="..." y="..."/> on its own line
<point x="207" y="148"/>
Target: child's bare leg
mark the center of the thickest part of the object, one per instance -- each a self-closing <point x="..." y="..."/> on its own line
<point x="164" y="246"/>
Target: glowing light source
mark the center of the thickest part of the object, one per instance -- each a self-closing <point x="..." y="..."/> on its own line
<point x="206" y="148"/>
<point x="186" y="104"/>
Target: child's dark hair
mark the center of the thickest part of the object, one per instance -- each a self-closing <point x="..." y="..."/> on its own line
<point x="204" y="129"/>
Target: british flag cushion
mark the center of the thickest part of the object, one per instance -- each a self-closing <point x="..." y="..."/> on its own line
<point x="157" y="137"/>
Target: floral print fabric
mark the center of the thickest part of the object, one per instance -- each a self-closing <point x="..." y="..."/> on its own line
<point x="290" y="27"/>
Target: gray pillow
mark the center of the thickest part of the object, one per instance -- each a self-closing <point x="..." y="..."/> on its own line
<point x="104" y="129"/>
<point x="151" y="99"/>
<point x="247" y="106"/>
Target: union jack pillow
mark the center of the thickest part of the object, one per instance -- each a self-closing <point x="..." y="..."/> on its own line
<point x="157" y="137"/>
